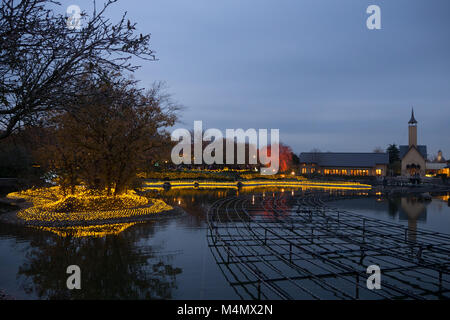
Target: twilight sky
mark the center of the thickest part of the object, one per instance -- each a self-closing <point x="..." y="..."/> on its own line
<point x="308" y="67"/>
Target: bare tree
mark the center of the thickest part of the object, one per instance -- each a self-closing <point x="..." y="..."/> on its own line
<point x="41" y="58"/>
<point x="378" y="150"/>
<point x="315" y="155"/>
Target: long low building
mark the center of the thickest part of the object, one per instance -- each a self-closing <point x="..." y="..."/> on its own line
<point x="436" y="168"/>
<point x="342" y="163"/>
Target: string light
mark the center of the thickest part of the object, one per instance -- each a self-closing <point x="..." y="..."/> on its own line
<point x="256" y="184"/>
<point x="96" y="231"/>
<point x="50" y="205"/>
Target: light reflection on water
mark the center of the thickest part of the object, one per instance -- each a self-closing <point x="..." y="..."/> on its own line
<point x="167" y="259"/>
<point x="410" y="211"/>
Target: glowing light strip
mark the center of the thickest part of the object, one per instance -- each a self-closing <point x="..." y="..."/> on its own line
<point x="50" y="205"/>
<point x="97" y="231"/>
<point x="248" y="184"/>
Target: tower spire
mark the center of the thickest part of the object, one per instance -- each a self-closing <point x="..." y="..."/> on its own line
<point x="412" y="130"/>
<point x="413" y="119"/>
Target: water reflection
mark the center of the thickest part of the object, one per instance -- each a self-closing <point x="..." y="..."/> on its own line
<point x="165" y="259"/>
<point x="412" y="211"/>
<point x="97" y="231"/>
<point x="196" y="202"/>
<point x="112" y="267"/>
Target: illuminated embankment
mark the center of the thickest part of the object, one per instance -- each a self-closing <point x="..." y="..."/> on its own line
<point x="161" y="185"/>
<point x="51" y="206"/>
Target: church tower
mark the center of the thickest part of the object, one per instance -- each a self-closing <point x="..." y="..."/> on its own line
<point x="413" y="156"/>
<point x="412" y="130"/>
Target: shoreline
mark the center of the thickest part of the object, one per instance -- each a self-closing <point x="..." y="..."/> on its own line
<point x="387" y="191"/>
<point x="409" y="190"/>
<point x="211" y="184"/>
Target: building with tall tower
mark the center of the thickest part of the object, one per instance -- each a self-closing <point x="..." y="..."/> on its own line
<point x="413" y="156"/>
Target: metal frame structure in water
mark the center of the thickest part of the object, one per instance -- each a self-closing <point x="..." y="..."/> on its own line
<point x="297" y="247"/>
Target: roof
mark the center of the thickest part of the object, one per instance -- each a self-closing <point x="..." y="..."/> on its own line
<point x="422" y="150"/>
<point x="436" y="166"/>
<point x="344" y="159"/>
<point x="413" y="119"/>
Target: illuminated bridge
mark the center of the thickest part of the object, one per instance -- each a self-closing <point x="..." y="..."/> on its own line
<point x="287" y="246"/>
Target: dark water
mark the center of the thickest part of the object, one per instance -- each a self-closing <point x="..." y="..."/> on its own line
<point x="408" y="211"/>
<point x="167" y="259"/>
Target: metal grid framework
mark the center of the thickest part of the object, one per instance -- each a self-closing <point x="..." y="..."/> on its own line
<point x="297" y="247"/>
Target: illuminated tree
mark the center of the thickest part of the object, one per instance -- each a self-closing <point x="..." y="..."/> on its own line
<point x="284" y="157"/>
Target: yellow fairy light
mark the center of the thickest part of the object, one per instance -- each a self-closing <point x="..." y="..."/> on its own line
<point x="97" y="231"/>
<point x="257" y="184"/>
<point x="50" y="205"/>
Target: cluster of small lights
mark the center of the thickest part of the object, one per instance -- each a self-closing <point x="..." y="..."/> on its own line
<point x="50" y="205"/>
<point x="210" y="174"/>
<point x="84" y="202"/>
<point x="40" y="196"/>
<point x="176" y="175"/>
<point x="257" y="184"/>
<point x="181" y="183"/>
<point x="40" y="214"/>
<point x="226" y="169"/>
<point x="99" y="231"/>
<point x="292" y="176"/>
<point x="309" y="184"/>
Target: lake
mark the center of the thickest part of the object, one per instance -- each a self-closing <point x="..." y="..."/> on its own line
<point x="167" y="259"/>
